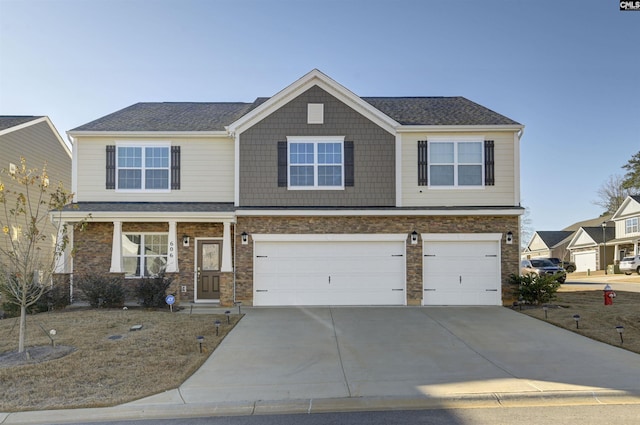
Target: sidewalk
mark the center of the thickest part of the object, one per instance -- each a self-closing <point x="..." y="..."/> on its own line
<point x="312" y="360"/>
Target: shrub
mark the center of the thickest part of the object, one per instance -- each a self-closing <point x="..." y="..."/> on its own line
<point x="151" y="291"/>
<point x="535" y="289"/>
<point x="55" y="297"/>
<point x="101" y="291"/>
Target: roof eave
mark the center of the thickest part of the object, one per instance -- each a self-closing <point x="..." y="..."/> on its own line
<point x="457" y="128"/>
<point x="219" y="133"/>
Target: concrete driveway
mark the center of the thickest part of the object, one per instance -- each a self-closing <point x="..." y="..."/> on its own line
<point x="407" y="352"/>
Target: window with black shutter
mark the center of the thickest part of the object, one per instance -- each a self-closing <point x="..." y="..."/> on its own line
<point x="175" y="167"/>
<point x="349" y="171"/>
<point x="489" y="163"/>
<point x="423" y="163"/>
<point x="111" y="167"/>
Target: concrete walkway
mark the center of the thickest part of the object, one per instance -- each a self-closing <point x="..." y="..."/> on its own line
<point x="298" y="360"/>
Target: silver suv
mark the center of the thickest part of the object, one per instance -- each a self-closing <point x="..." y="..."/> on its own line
<point x="629" y="265"/>
<point x="542" y="267"/>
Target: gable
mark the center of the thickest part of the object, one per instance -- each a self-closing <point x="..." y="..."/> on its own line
<point x="629" y="208"/>
<point x="581" y="238"/>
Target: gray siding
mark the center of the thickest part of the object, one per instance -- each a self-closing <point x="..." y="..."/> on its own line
<point x="374" y="156"/>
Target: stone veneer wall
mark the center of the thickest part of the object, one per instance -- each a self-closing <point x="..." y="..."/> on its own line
<point x="439" y="224"/>
<point x="94" y="254"/>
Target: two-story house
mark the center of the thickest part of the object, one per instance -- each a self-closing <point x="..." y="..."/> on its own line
<point x="627" y="225"/>
<point x="36" y="140"/>
<point x="314" y="196"/>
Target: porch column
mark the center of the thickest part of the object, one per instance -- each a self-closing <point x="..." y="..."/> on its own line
<point x="61" y="255"/>
<point x="116" y="248"/>
<point x="227" y="265"/>
<point x="172" y="259"/>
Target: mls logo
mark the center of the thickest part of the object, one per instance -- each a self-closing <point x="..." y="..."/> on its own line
<point x="630" y="5"/>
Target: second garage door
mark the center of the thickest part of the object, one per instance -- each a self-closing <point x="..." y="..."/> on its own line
<point x="585" y="260"/>
<point x="329" y="270"/>
<point x="461" y="269"/>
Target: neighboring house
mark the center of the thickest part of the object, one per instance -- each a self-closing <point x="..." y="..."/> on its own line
<point x="588" y="247"/>
<point x="314" y="196"/>
<point x="35" y="139"/>
<point x="627" y="225"/>
<point x="548" y="244"/>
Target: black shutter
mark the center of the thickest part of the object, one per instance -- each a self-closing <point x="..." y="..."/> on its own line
<point x="349" y="175"/>
<point x="282" y="164"/>
<point x="423" y="164"/>
<point x="489" y="164"/>
<point x="111" y="167"/>
<point x="175" y="167"/>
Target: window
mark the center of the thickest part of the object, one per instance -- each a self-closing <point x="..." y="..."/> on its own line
<point x="143" y="167"/>
<point x="631" y="225"/>
<point x="314" y="164"/>
<point x="448" y="163"/>
<point x="144" y="254"/>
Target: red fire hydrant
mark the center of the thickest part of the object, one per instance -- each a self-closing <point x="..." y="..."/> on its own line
<point x="609" y="295"/>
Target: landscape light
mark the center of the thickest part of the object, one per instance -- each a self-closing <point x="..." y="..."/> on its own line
<point x="217" y="323"/>
<point x="620" y="329"/>
<point x="228" y="318"/>
<point x="576" y="317"/>
<point x="200" y="340"/>
<point x="546" y="309"/>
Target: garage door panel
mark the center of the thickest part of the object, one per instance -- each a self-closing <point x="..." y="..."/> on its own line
<point x="329" y="273"/>
<point x="461" y="273"/>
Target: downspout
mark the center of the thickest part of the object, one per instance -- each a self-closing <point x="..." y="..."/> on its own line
<point x="234" y="263"/>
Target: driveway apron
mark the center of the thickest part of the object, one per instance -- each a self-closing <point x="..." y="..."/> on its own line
<point x="322" y="352"/>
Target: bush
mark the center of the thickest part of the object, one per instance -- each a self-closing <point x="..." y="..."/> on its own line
<point x="535" y="289"/>
<point x="151" y="291"/>
<point x="55" y="297"/>
<point x="101" y="291"/>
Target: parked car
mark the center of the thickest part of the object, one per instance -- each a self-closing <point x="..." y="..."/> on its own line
<point x="542" y="267"/>
<point x="629" y="265"/>
<point x="569" y="266"/>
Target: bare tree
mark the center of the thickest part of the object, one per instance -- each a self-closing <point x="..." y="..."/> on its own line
<point x="612" y="194"/>
<point x="30" y="243"/>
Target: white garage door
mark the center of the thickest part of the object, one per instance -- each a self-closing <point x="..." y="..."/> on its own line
<point x="461" y="272"/>
<point x="330" y="270"/>
<point x="585" y="261"/>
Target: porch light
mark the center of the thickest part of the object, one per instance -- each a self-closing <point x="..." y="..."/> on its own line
<point x="185" y="240"/>
<point x="509" y="238"/>
<point x="245" y="238"/>
<point x="414" y="237"/>
<point x="620" y="329"/>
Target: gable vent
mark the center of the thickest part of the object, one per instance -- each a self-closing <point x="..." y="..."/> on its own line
<point x="315" y="113"/>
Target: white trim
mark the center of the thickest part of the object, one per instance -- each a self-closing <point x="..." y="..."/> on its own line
<point x="236" y="170"/>
<point x="453" y="237"/>
<point x="175" y="134"/>
<point x="457" y="128"/>
<point x="74" y="169"/>
<point x="399" y="169"/>
<point x="315" y="141"/>
<point x="313" y="78"/>
<point x="151" y="217"/>
<point x="172" y="249"/>
<point x="516" y="169"/>
<point x="116" y="248"/>
<point x="331" y="237"/>
<point x="377" y="213"/>
<point x="456" y="140"/>
<point x="227" y="264"/>
<point x="143" y="145"/>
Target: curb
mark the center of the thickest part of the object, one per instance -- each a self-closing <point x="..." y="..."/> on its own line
<point x="314" y="406"/>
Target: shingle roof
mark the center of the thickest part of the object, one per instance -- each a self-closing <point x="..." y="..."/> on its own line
<point x="437" y="111"/>
<point x="185" y="116"/>
<point x="552" y="238"/>
<point x="170" y="116"/>
<point x="596" y="233"/>
<point x="8" y="121"/>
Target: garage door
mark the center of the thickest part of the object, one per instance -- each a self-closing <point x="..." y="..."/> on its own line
<point x="461" y="270"/>
<point x="329" y="270"/>
<point x="585" y="261"/>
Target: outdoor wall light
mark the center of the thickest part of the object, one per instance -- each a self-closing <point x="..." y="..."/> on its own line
<point x="620" y="329"/>
<point x="414" y="237"/>
<point x="185" y="240"/>
<point x="245" y="238"/>
<point x="509" y="238"/>
<point x="576" y="317"/>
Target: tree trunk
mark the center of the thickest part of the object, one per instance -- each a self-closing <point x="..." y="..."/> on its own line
<point x="23" y="328"/>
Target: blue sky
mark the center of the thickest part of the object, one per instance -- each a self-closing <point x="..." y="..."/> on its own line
<point x="569" y="71"/>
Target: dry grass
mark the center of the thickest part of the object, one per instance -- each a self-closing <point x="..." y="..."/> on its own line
<point x="597" y="321"/>
<point x="111" y="364"/>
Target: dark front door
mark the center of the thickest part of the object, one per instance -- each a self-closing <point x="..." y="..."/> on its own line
<point x="209" y="259"/>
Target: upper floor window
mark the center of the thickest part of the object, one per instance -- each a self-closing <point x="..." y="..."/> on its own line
<point x="631" y="225"/>
<point x="456" y="163"/>
<point x="148" y="167"/>
<point x="145" y="168"/>
<point x="315" y="163"/>
<point x="144" y="254"/>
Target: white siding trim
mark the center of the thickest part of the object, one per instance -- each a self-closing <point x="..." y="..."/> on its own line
<point x="172" y="249"/>
<point x="452" y="237"/>
<point x="399" y="192"/>
<point x="355" y="237"/>
<point x="116" y="248"/>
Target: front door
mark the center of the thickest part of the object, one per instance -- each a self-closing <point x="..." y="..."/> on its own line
<point x="208" y="269"/>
